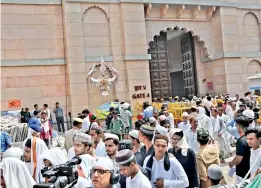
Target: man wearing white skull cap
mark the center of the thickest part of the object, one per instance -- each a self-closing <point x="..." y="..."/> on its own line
<point x="105" y="173"/>
<point x="251" y="115"/>
<point x="126" y="116"/>
<point x="111" y="145"/>
<point x="161" y="130"/>
<point x="184" y="125"/>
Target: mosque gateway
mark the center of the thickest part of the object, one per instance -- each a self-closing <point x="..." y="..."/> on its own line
<point x="88" y="52"/>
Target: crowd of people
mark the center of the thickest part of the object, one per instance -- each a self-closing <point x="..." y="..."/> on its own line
<point x="154" y="151"/>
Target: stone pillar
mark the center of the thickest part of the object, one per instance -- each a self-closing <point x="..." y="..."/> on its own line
<point x="231" y="31"/>
<point x="117" y="45"/>
<point x="217" y="33"/>
<point x="135" y="52"/>
<point x="75" y="59"/>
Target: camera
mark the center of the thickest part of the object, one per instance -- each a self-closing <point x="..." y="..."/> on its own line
<point x="60" y="176"/>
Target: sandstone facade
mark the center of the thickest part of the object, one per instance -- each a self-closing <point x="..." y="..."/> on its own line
<point x="48" y="48"/>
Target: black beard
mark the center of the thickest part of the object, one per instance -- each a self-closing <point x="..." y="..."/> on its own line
<point x="110" y="154"/>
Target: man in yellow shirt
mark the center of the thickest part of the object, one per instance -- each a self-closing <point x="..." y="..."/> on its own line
<point x="208" y="154"/>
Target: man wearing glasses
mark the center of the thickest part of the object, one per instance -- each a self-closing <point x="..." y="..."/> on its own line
<point x="105" y="173"/>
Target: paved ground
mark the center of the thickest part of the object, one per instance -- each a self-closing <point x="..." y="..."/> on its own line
<point x="225" y="167"/>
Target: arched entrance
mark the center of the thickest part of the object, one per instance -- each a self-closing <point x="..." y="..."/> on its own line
<point x="172" y="64"/>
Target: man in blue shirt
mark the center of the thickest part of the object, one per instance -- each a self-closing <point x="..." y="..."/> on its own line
<point x="232" y="129"/>
<point x="34" y="122"/>
<point x="6" y="141"/>
<point x="148" y="110"/>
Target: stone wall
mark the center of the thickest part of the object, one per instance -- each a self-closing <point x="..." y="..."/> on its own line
<point x="31" y="32"/>
<point x="33" y="85"/>
<point x="48" y="49"/>
<point x="31" y="35"/>
<point x="118" y="33"/>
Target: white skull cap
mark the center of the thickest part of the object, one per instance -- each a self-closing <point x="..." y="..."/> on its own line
<point x="134" y="133"/>
<point x="185" y="114"/>
<point x="110" y="135"/>
<point x="249" y="113"/>
<point x="162" y="117"/>
<point x="162" y="130"/>
<point x="125" y="105"/>
<point x="104" y="162"/>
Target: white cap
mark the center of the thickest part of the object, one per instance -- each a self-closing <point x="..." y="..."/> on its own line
<point x="162" y="130"/>
<point x="125" y="105"/>
<point x="162" y="117"/>
<point x="215" y="172"/>
<point x="152" y="120"/>
<point x="13" y="152"/>
<point x="185" y="114"/>
<point x="174" y="130"/>
<point x="134" y="134"/>
<point x="229" y="100"/>
<point x="110" y="135"/>
<point x="94" y="125"/>
<point x="104" y="162"/>
<point x="249" y="113"/>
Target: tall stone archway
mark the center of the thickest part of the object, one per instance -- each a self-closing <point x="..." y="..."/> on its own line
<point x="171" y="75"/>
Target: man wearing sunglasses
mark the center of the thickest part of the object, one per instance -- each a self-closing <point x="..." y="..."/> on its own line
<point x="105" y="173"/>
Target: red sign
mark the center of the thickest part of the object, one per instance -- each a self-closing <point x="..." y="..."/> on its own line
<point x="14" y="104"/>
<point x="210" y="86"/>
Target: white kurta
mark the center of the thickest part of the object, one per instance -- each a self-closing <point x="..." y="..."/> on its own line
<point x="228" y="109"/>
<point x="184" y="126"/>
<point x="208" y="104"/>
<point x="220" y="128"/>
<point x="170" y="117"/>
<point x="255" y="155"/>
<point x="55" y="155"/>
<point x="138" y="181"/>
<point x="191" y="138"/>
<point x="71" y="153"/>
<point x="100" y="150"/>
<point x="85" y="124"/>
<point x="86" y="165"/>
<point x="48" y="111"/>
<point x="204" y="122"/>
<point x="16" y="174"/>
<point x="227" y="135"/>
<point x="40" y="149"/>
<point x="174" y="177"/>
<point x="225" y="118"/>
